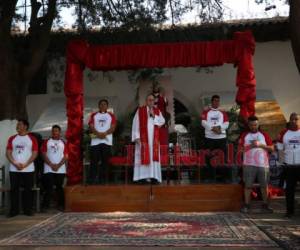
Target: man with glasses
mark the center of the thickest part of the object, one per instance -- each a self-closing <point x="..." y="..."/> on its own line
<point x="145" y="134"/>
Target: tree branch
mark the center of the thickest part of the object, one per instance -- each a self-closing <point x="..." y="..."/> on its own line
<point x="82" y="26"/>
<point x="128" y="4"/>
<point x="39" y="38"/>
<point x="34" y="22"/>
<point x="172" y="11"/>
<point x="294" y="30"/>
<point x="7" y="12"/>
<point x="110" y="2"/>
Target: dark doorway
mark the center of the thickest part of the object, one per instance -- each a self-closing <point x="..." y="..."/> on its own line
<point x="182" y="115"/>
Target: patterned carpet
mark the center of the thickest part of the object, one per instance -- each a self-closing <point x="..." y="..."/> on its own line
<point x="144" y="229"/>
<point x="287" y="237"/>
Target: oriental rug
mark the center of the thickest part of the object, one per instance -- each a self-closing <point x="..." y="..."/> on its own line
<point x="287" y="236"/>
<point x="144" y="229"/>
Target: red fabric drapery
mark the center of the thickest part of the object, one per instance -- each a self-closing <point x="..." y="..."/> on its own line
<point x="80" y="54"/>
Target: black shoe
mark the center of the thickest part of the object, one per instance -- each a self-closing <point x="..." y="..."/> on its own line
<point x="143" y="182"/>
<point x="154" y="181"/>
<point x="267" y="209"/>
<point x="245" y="209"/>
<point x="60" y="208"/>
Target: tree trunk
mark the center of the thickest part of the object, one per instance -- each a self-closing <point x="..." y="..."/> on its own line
<point x="14" y="87"/>
<point x="19" y="65"/>
<point x="295" y="29"/>
<point x="13" y="98"/>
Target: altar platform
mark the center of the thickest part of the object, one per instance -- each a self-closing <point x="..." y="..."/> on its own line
<point x="154" y="198"/>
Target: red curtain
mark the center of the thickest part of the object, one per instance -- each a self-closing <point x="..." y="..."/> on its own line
<point x="80" y="54"/>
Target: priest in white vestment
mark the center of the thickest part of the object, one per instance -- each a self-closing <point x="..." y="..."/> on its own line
<point x="145" y="134"/>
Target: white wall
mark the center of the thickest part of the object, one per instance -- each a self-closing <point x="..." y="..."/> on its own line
<point x="275" y="70"/>
<point x="7" y="128"/>
<point x="118" y="87"/>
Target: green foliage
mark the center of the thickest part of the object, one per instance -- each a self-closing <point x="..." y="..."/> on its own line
<point x="122" y="120"/>
<point x="234" y="128"/>
<point x="150" y="74"/>
<point x="197" y="131"/>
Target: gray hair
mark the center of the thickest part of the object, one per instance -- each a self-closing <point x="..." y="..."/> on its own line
<point x="150" y="94"/>
<point x="293" y="114"/>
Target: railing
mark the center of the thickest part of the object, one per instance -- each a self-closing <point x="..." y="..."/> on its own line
<point x="178" y="165"/>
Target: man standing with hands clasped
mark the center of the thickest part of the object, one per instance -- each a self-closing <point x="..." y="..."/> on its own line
<point x="21" y="151"/>
<point x="102" y="125"/>
<point x="55" y="156"/>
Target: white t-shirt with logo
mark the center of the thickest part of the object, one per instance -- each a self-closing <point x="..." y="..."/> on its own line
<point x="55" y="150"/>
<point x="289" y="142"/>
<point x="102" y="122"/>
<point x="258" y="157"/>
<point x="213" y="118"/>
<point x="22" y="147"/>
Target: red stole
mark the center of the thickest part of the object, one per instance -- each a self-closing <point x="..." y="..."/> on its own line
<point x="145" y="150"/>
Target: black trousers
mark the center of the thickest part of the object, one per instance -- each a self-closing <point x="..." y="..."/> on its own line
<point x="49" y="181"/>
<point x="292" y="176"/>
<point x="214" y="144"/>
<point x="100" y="152"/>
<point x="17" y="180"/>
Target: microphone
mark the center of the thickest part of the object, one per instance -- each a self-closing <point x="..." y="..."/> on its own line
<point x="151" y="112"/>
<point x="270" y="7"/>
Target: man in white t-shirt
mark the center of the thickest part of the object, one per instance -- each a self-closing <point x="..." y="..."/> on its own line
<point x="289" y="145"/>
<point x="256" y="145"/>
<point x="215" y="123"/>
<point x="21" y="151"/>
<point x="55" y="156"/>
<point x="102" y="125"/>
